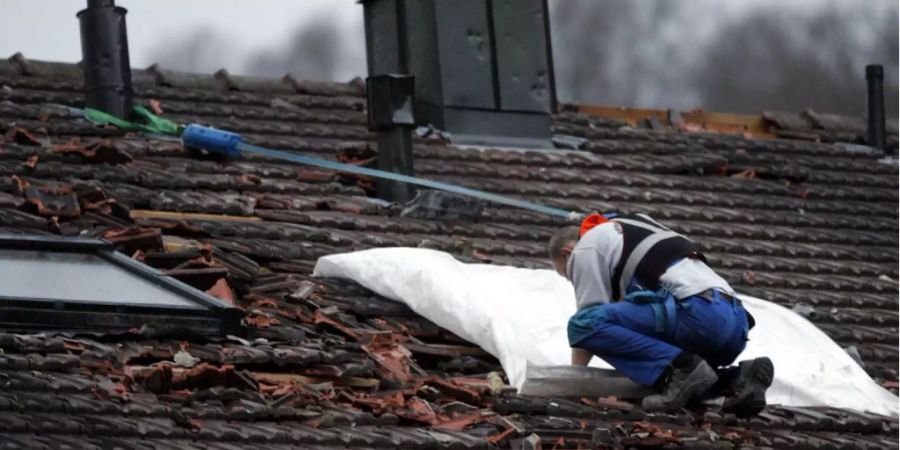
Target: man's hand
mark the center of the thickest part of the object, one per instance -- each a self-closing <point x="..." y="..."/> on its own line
<point x="581" y="357"/>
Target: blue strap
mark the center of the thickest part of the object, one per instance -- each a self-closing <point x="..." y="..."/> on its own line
<point x="349" y="168"/>
<point x="663" y="304"/>
<point x="669" y="305"/>
<point x="644" y="296"/>
<point x="660" y="314"/>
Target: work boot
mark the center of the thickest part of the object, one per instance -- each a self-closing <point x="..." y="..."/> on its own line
<point x="684" y="384"/>
<point x="749" y="398"/>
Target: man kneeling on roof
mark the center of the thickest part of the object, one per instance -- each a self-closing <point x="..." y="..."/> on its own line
<point x="650" y="306"/>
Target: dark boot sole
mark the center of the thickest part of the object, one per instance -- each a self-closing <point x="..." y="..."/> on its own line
<point x="754" y="378"/>
<point x="699" y="381"/>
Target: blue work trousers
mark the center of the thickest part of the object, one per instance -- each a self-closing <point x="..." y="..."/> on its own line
<point x="627" y="336"/>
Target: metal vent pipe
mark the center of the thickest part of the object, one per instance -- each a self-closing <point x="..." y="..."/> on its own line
<point x="391" y="114"/>
<point x="105" y="62"/>
<point x="874" y="82"/>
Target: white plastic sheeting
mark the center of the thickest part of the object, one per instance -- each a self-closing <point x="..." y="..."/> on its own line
<point x="520" y="316"/>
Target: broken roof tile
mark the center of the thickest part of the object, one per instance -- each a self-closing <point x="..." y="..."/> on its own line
<point x="806" y="224"/>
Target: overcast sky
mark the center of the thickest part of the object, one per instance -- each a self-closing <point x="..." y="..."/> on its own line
<point x="48" y="29"/>
<point x="740" y="56"/>
<point x="242" y="28"/>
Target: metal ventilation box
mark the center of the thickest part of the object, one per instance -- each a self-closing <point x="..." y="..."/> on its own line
<point x="483" y="68"/>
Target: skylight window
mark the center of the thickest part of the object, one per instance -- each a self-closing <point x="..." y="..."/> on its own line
<point x="84" y="284"/>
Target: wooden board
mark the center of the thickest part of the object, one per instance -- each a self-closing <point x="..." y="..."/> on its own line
<point x="150" y="214"/>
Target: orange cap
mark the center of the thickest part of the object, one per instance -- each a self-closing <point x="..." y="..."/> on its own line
<point x="591" y="221"/>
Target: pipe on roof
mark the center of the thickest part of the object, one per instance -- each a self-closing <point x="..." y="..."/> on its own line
<point x="874" y="82"/>
<point x="391" y="114"/>
<point x="105" y="61"/>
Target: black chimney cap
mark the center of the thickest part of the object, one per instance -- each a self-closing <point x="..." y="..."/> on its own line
<point x="100" y="3"/>
<point x="874" y="71"/>
<point x="390" y="101"/>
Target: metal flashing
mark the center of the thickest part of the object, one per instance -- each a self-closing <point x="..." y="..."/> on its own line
<point x="577" y="381"/>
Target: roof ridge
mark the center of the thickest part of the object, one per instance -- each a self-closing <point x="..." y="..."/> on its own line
<point x="157" y="76"/>
<point x="761" y="124"/>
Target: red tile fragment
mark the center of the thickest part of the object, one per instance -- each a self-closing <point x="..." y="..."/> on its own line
<point x="102" y="207"/>
<point x="201" y="376"/>
<point x="463" y="421"/>
<point x="320" y="318"/>
<point x="159" y="379"/>
<point x="285" y="310"/>
<point x="351" y="207"/>
<point x="103" y="151"/>
<point x="73" y="346"/>
<point x="93" y="198"/>
<point x="256" y="319"/>
<point x="261" y="301"/>
<point x="559" y="444"/>
<point x="391" y="325"/>
<point x="247" y="179"/>
<point x="732" y="436"/>
<point x="502" y="437"/>
<point x="315" y="176"/>
<point x="52" y="204"/>
<point x="749" y="277"/>
<point x="749" y="173"/>
<point x="21" y="136"/>
<point x="155" y="106"/>
<point x="478" y="385"/>
<point x="655" y="431"/>
<point x="222" y="291"/>
<point x="800" y="192"/>
<point x="381" y="402"/>
<point x="201" y="262"/>
<point x="451" y="389"/>
<point x="393" y="359"/>
<point x="357" y="157"/>
<point x="20" y="183"/>
<point x="419" y="410"/>
<point x="112" y="389"/>
<point x="134" y="239"/>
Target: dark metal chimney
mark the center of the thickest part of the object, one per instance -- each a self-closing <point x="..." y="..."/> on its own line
<point x="104" y="52"/>
<point x="874" y="79"/>
<point x="483" y="68"/>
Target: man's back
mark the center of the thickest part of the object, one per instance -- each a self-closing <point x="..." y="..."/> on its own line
<point x="597" y="258"/>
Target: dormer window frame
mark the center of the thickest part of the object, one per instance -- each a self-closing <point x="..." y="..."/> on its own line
<point x="199" y="313"/>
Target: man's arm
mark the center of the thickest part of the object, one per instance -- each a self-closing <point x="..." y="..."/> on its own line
<point x="580" y="357"/>
<point x="590" y="275"/>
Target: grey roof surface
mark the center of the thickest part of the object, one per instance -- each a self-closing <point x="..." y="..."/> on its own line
<point x="798" y="222"/>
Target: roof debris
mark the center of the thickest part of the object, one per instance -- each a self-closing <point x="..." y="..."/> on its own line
<point x="327" y="363"/>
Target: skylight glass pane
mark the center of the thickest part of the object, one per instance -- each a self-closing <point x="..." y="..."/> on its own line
<point x="78" y="277"/>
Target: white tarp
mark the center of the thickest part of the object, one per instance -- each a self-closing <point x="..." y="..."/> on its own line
<point x="520" y="316"/>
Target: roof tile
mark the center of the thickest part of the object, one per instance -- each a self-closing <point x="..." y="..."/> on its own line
<point x="800" y="223"/>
